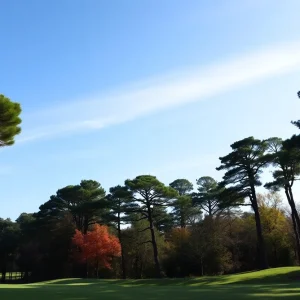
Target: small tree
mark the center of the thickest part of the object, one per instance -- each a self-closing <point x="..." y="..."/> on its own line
<point x="9" y="120"/>
<point x="96" y="247"/>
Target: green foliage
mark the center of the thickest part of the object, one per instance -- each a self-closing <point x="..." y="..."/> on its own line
<point x="276" y="230"/>
<point x="85" y="202"/>
<point x="182" y="186"/>
<point x="9" y="120"/>
<point x="120" y="205"/>
<point x="151" y="196"/>
<point x="208" y="196"/>
<point x="244" y="165"/>
<point x="138" y="250"/>
<point x="9" y="238"/>
<point x="243" y="169"/>
<point x="149" y="187"/>
<point x="285" y="157"/>
<point x="184" y="212"/>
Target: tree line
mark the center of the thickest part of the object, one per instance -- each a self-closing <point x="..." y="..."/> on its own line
<point x="145" y="228"/>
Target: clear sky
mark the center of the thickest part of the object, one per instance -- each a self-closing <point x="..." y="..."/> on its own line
<point x="115" y="89"/>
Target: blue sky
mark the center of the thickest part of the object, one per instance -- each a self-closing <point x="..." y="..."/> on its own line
<point x="114" y="89"/>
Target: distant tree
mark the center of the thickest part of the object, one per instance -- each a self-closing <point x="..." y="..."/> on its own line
<point x="208" y="195"/>
<point x="285" y="157"/>
<point x="86" y="203"/>
<point x="276" y="229"/>
<point x="25" y="220"/>
<point x="243" y="168"/>
<point x="120" y="205"/>
<point x="10" y="121"/>
<point x="9" y="238"/>
<point x="96" y="247"/>
<point x="179" y="262"/>
<point x="163" y="221"/>
<point x="182" y="186"/>
<point x="28" y="253"/>
<point x="207" y="247"/>
<point x="183" y="209"/>
<point x="184" y="212"/>
<point x="149" y="193"/>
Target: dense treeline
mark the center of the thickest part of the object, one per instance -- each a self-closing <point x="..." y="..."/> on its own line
<point x="144" y="228"/>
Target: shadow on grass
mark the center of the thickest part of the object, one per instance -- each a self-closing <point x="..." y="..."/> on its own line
<point x="74" y="289"/>
<point x="291" y="277"/>
<point x="288" y="275"/>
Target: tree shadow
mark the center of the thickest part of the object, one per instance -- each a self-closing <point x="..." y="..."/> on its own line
<point x="115" y="291"/>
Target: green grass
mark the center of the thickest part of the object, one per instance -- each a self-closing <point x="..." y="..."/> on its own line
<point x="269" y="284"/>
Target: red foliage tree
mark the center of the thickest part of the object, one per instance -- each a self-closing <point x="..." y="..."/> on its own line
<point x="96" y="247"/>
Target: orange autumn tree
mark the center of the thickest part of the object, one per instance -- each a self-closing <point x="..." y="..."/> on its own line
<point x="96" y="248"/>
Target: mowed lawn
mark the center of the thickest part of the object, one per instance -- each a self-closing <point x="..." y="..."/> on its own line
<point x="270" y="284"/>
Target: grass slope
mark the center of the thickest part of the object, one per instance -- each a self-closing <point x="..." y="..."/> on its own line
<point x="269" y="284"/>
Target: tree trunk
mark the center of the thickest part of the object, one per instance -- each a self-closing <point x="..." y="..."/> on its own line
<point x="154" y="244"/>
<point x="3" y="272"/>
<point x="202" y="269"/>
<point x="26" y="276"/>
<point x="293" y="207"/>
<point x="263" y="261"/>
<point x="295" y="218"/>
<point x="182" y="219"/>
<point x="296" y="233"/>
<point x="86" y="269"/>
<point x="97" y="269"/>
<point x="209" y="208"/>
<point x="122" y="252"/>
<point x="85" y="224"/>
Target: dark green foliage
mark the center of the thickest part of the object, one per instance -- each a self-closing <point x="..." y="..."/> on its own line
<point x="243" y="168"/>
<point x="138" y="250"/>
<point x="9" y="238"/>
<point x="184" y="212"/>
<point x="163" y="221"/>
<point x="120" y="204"/>
<point x="182" y="186"/>
<point x="150" y="194"/>
<point x="208" y="196"/>
<point x="9" y="121"/>
<point x="296" y="123"/>
<point x="85" y="202"/>
<point x="285" y="157"/>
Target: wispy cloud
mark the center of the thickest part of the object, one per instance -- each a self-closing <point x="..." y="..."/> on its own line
<point x="161" y="93"/>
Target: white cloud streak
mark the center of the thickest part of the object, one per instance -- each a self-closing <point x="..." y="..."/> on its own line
<point x="163" y="92"/>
